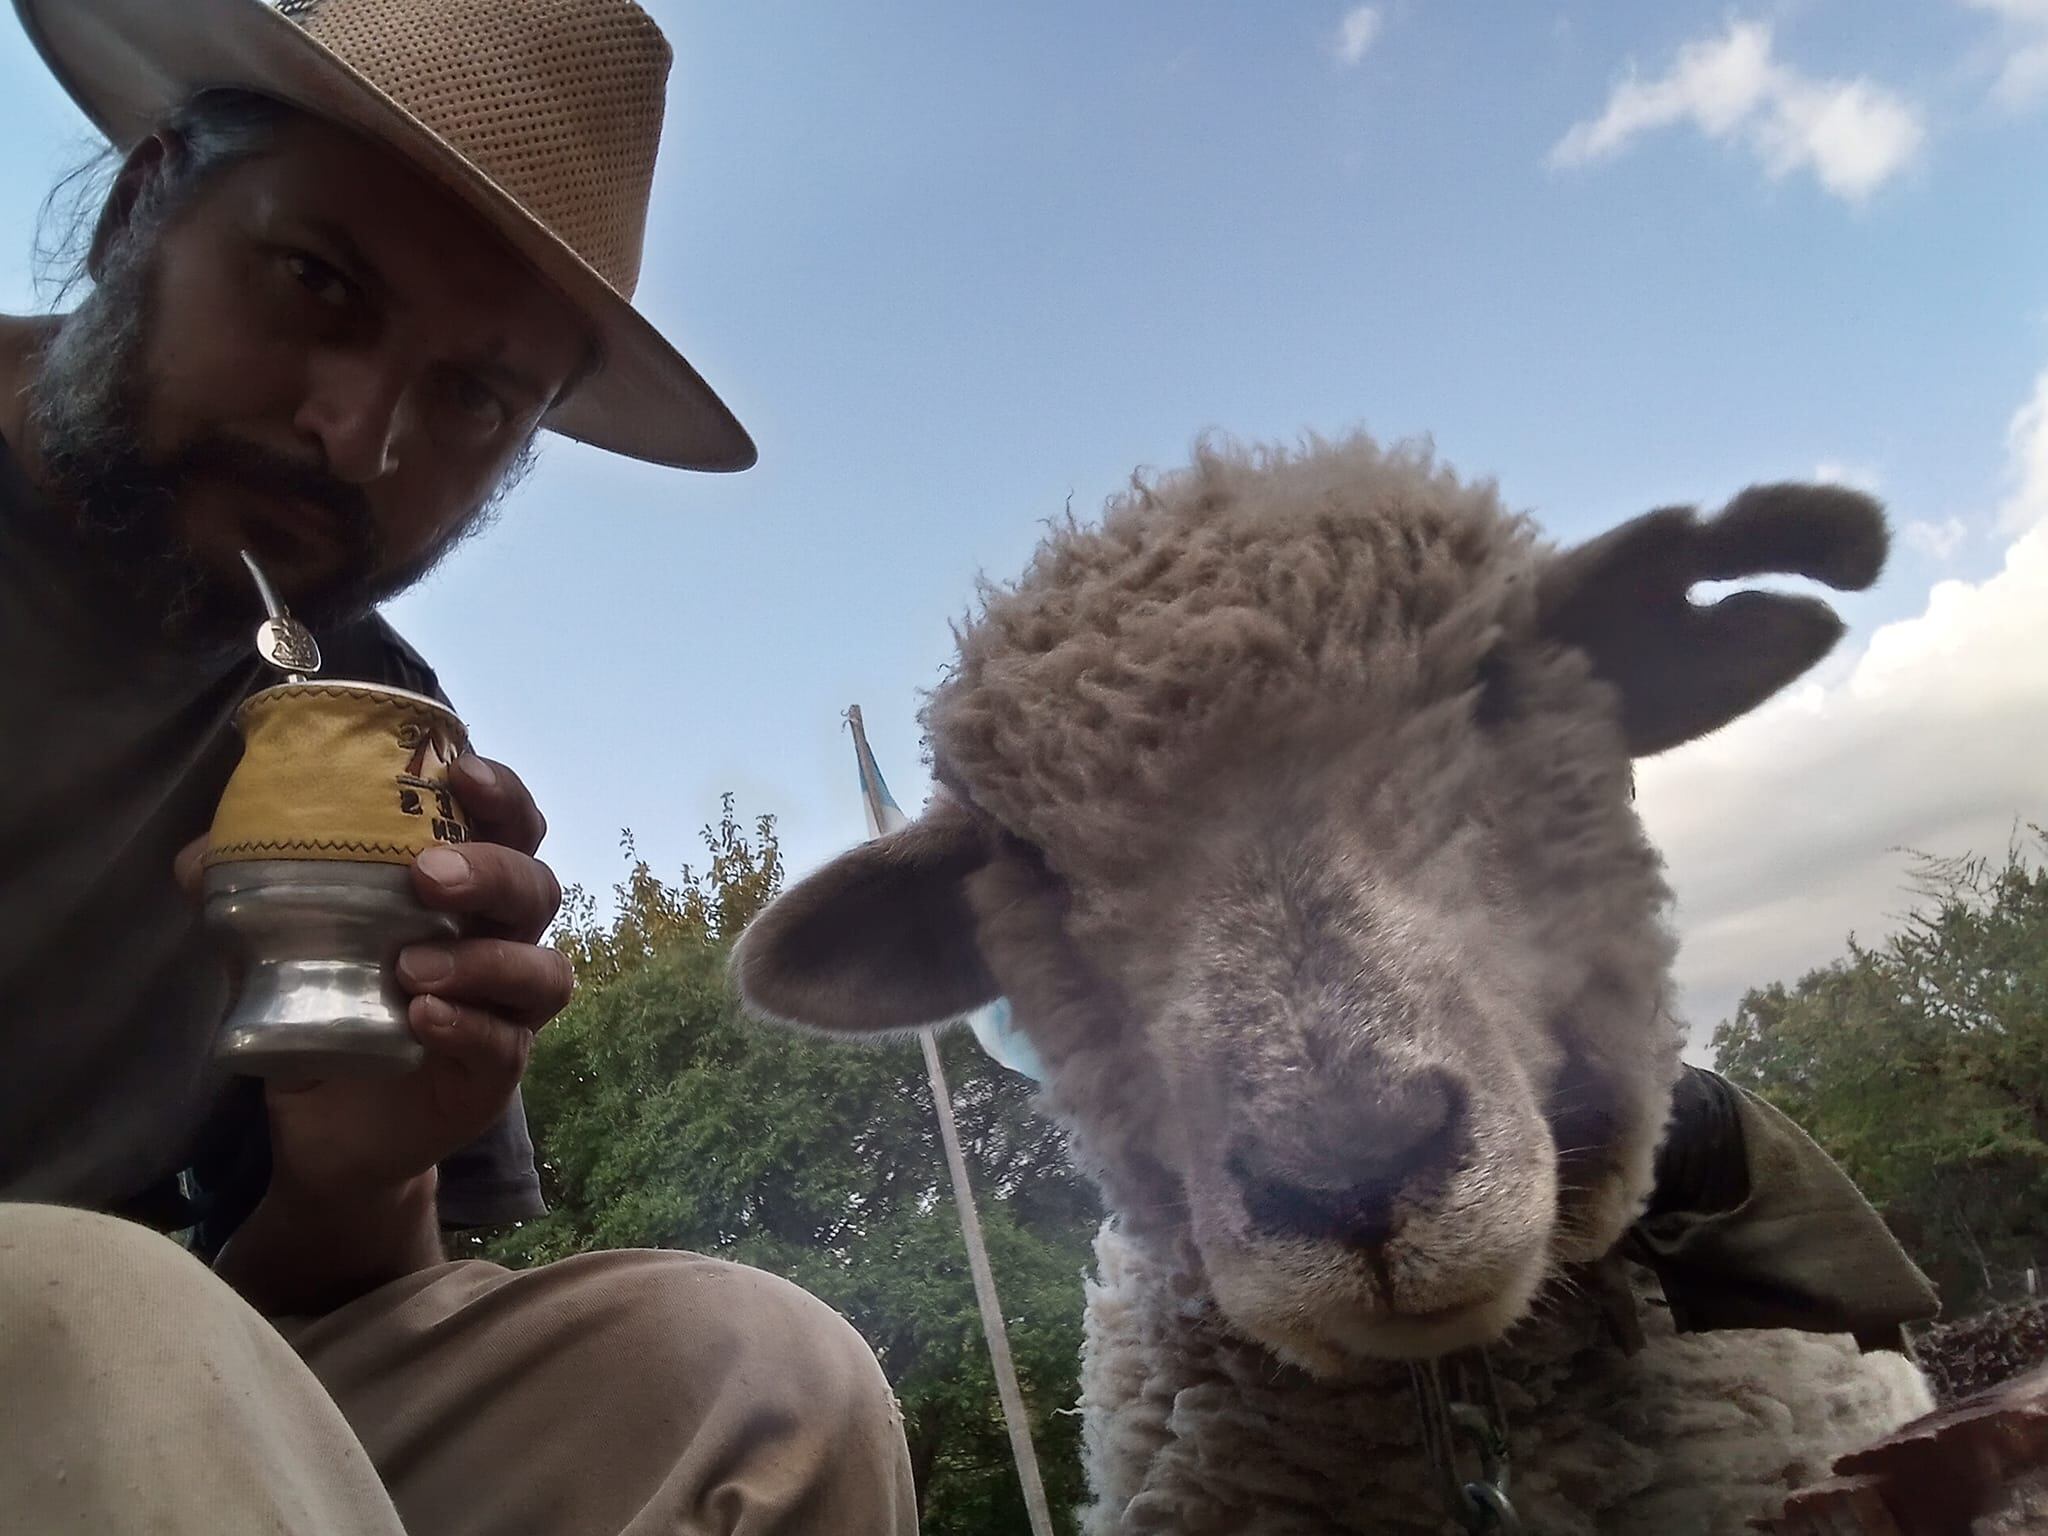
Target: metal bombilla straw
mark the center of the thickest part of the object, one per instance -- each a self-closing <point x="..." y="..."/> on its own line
<point x="282" y="640"/>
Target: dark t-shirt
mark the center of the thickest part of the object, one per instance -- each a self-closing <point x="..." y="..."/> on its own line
<point x="110" y="762"/>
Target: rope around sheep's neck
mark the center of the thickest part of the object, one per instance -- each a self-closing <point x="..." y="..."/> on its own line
<point x="1481" y="1505"/>
<point x="1701" y="1166"/>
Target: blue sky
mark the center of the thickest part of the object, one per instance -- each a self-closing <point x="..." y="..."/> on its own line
<point x="955" y="264"/>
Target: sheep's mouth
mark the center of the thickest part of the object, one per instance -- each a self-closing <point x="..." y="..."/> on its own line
<point x="1428" y="1335"/>
<point x="1450" y="1256"/>
<point x="1340" y="1343"/>
<point x="1425" y="1317"/>
<point x="1330" y="1309"/>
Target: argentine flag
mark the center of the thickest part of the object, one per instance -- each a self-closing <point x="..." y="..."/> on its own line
<point x="991" y="1022"/>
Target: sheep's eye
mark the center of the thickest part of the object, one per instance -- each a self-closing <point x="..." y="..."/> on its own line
<point x="1496" y="697"/>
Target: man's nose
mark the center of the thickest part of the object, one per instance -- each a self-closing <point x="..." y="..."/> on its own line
<point x="1340" y="1175"/>
<point x="356" y="407"/>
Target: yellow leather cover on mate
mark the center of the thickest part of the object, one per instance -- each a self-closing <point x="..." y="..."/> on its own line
<point x="340" y="770"/>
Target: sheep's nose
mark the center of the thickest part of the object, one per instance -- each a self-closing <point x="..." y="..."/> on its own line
<point x="1338" y="1176"/>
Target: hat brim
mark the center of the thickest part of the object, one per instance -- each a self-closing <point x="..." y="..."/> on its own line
<point x="129" y="62"/>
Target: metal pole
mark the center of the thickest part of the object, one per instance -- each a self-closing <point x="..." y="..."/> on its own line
<point x="884" y="815"/>
<point x="985" y="1294"/>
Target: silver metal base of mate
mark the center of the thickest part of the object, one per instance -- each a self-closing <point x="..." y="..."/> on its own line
<point x="314" y="944"/>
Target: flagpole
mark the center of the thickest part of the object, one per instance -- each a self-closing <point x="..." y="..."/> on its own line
<point x="1012" y="1399"/>
<point x="875" y="796"/>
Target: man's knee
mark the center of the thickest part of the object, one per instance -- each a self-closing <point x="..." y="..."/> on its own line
<point x="90" y="1304"/>
<point x="683" y="1313"/>
<point x="86" y="1299"/>
<point x="776" y="1373"/>
<point x="59" y="1265"/>
<point x="128" y="1365"/>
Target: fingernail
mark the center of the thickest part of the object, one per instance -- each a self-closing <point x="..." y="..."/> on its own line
<point x="425" y="964"/>
<point x="481" y="773"/>
<point x="444" y="866"/>
<point x="433" y="1012"/>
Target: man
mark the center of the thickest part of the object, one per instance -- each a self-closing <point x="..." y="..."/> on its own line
<point x="356" y="254"/>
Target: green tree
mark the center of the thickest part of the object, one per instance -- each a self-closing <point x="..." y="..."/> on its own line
<point x="1921" y="1064"/>
<point x="665" y="1118"/>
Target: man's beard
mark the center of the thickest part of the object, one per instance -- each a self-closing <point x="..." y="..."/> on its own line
<point x="119" y="504"/>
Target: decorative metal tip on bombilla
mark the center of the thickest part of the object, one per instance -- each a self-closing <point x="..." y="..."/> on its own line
<point x="281" y="640"/>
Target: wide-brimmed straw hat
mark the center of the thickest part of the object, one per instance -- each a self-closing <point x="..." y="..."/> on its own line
<point x="543" y="115"/>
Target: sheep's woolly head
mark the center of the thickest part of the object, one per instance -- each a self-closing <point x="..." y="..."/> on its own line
<point x="1290" y="808"/>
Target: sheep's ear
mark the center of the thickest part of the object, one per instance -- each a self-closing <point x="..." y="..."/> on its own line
<point x="1683" y="668"/>
<point x="881" y="938"/>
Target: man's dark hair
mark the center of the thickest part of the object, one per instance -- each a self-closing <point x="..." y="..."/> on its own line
<point x="211" y="132"/>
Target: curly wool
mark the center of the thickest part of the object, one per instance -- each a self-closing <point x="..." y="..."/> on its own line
<point x="1192" y="1430"/>
<point x="1088" y="690"/>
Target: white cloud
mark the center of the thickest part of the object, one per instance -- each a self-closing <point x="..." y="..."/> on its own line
<point x="1938" y="541"/>
<point x="1785" y="832"/>
<point x="2027" y="459"/>
<point x="1713" y="84"/>
<point x="2025" y="12"/>
<point x="2023" y="73"/>
<point x="1356" y="34"/>
<point x="1853" y="135"/>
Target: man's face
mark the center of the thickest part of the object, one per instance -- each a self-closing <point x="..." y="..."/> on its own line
<point x="333" y="364"/>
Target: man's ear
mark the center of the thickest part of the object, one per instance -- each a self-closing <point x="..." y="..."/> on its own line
<point x="1683" y="668"/>
<point x="882" y="938"/>
<point x="144" y="164"/>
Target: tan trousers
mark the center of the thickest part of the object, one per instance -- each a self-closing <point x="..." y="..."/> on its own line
<point x="613" y="1394"/>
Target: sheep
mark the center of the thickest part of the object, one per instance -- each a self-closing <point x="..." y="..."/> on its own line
<point x="1291" y="809"/>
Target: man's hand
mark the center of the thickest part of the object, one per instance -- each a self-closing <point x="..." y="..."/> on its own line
<point x="356" y="1155"/>
<point x="476" y="1004"/>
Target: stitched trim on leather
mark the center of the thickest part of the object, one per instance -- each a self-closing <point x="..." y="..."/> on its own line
<point x="324" y="844"/>
<point x="394" y="702"/>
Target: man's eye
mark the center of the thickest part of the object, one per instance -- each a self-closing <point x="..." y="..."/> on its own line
<point x="319" y="279"/>
<point x="476" y="399"/>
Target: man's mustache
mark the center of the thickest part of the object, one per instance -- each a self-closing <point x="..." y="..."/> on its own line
<point x="280" y="477"/>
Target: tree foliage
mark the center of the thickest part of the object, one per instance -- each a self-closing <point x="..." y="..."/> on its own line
<point x="1921" y="1064"/>
<point x="664" y="1118"/>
